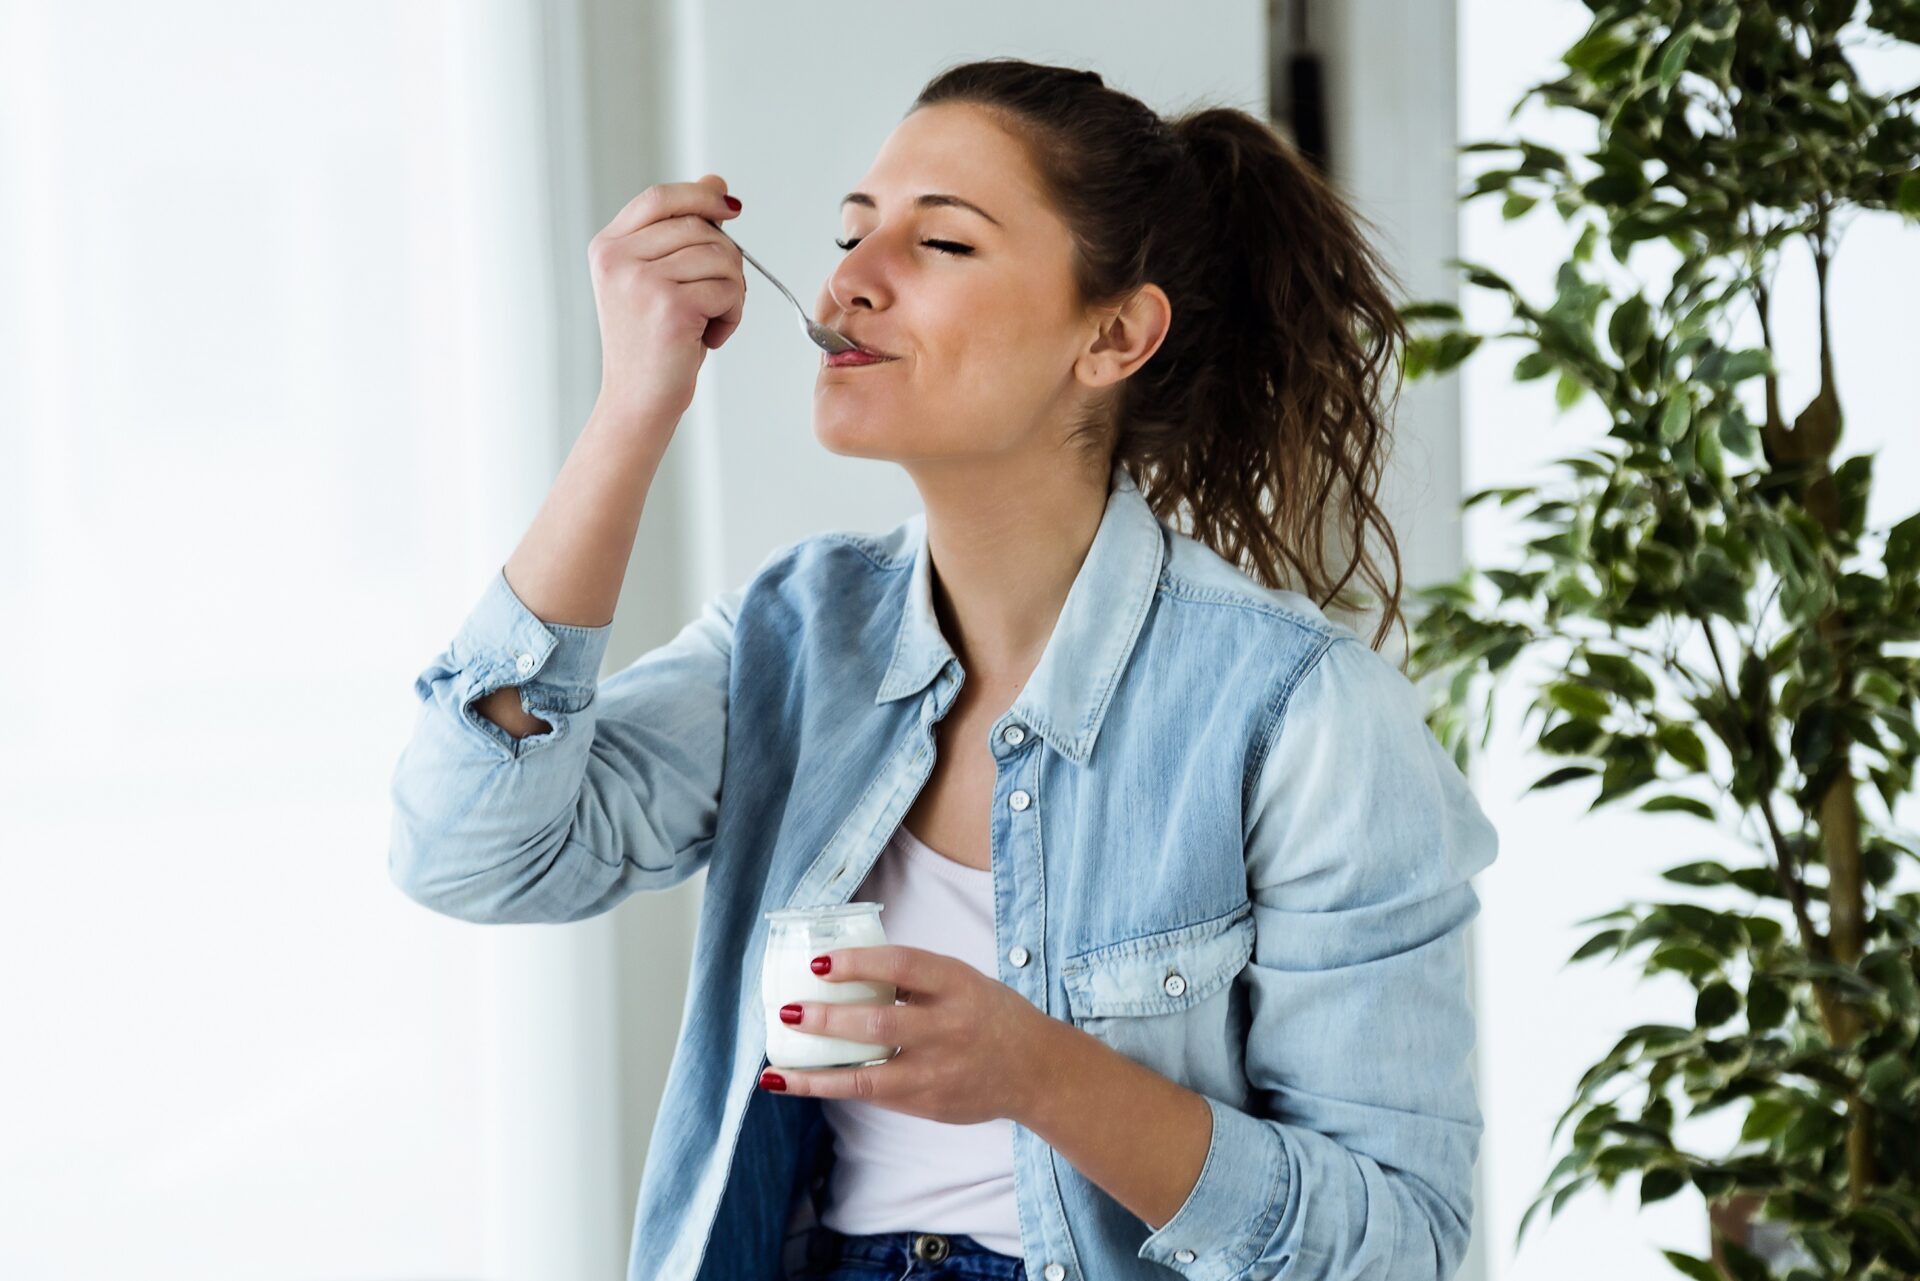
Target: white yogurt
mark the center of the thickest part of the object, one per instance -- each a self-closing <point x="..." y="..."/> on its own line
<point x="795" y="937"/>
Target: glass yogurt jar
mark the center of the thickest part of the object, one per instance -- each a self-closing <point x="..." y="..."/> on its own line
<point x="795" y="935"/>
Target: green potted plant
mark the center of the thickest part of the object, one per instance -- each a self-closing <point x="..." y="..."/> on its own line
<point x="1708" y="624"/>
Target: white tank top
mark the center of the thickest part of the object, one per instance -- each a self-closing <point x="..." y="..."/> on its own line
<point x="894" y="1172"/>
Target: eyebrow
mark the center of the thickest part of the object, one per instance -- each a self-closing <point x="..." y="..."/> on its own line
<point x="931" y="200"/>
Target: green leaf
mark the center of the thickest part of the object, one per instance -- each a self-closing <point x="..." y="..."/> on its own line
<point x="1675" y="417"/>
<point x="1688" y="1265"/>
<point x="1535" y="364"/>
<point x="1579" y="701"/>
<point x="1598" y="943"/>
<point x="1716" y="1003"/>
<point x="1884" y="1224"/>
<point x="1701" y="873"/>
<point x="1768" y="1118"/>
<point x="1506" y="494"/>
<point x="1743" y="1263"/>
<point x="1565" y="774"/>
<point x="1592" y="52"/>
<point x="1628" y="328"/>
<point x="1903" y="547"/>
<point x="1683" y="745"/>
<point x="1659" y="1184"/>
<point x="1516" y="204"/>
<point x="1617" y="673"/>
<point x="1745" y="364"/>
<point x="1567" y="391"/>
<point x="1907" y="200"/>
<point x="1766" y="1003"/>
<point x="1684" y="804"/>
<point x="1739" y="436"/>
<point x="1692" y="961"/>
<point x="1673" y="61"/>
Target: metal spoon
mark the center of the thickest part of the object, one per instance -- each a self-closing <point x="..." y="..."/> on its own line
<point x="828" y="340"/>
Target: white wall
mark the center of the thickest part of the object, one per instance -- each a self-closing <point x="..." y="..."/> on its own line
<point x="1544" y="1023"/>
<point x="280" y="389"/>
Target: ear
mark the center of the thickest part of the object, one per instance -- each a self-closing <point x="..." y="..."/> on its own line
<point x="1125" y="336"/>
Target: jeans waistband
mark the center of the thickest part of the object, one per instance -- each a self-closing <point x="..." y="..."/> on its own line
<point x="952" y="1254"/>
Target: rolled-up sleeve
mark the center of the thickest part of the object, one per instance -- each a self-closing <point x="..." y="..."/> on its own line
<point x="1355" y="1157"/>
<point x="620" y="795"/>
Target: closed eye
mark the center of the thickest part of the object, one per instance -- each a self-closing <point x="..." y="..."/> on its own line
<point x="944" y="246"/>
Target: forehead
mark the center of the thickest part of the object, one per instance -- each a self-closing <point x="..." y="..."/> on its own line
<point x="957" y="150"/>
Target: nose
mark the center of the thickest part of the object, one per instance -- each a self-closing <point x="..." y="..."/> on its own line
<point x="854" y="284"/>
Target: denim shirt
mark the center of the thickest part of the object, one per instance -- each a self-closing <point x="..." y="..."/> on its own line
<point x="1224" y="842"/>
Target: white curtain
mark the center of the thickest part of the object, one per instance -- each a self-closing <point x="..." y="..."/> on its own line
<point x="279" y="389"/>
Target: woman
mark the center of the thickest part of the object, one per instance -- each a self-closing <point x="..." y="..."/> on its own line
<point x="1176" y="877"/>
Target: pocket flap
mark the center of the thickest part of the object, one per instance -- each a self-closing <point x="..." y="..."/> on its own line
<point x="1159" y="973"/>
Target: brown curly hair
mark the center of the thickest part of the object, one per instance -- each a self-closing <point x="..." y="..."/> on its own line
<point x="1258" y="413"/>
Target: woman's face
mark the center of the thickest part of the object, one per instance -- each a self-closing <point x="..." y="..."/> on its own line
<point x="978" y="307"/>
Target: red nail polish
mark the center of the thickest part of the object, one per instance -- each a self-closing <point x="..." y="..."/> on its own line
<point x="820" y="964"/>
<point x="789" y="1014"/>
<point x="733" y="204"/>
<point x="773" y="1081"/>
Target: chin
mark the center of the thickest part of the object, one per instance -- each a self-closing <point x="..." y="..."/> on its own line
<point x="839" y="438"/>
<point x="848" y="430"/>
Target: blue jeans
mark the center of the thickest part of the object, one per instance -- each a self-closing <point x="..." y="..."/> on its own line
<point x="900" y="1256"/>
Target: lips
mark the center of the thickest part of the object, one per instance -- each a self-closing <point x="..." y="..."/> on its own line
<point x="868" y="348"/>
<point x="860" y="356"/>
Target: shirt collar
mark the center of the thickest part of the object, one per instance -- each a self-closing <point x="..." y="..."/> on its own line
<point x="1066" y="697"/>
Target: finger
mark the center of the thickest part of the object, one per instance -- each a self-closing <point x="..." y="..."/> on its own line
<point x="706" y="260"/>
<point x="706" y="198"/>
<point x="872" y="1024"/>
<point x="835" y="1083"/>
<point x="895" y="963"/>
<point x="659" y="241"/>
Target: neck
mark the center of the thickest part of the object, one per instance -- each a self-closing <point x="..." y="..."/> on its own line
<point x="1006" y="544"/>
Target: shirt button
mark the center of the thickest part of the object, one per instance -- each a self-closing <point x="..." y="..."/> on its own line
<point x="1053" y="1272"/>
<point x="1019" y="800"/>
<point x="1174" y="985"/>
<point x="524" y="663"/>
<point x="1018" y="955"/>
<point x="1183" y="1256"/>
<point x="1014" y="735"/>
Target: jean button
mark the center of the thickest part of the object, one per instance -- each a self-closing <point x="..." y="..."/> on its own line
<point x="930" y="1246"/>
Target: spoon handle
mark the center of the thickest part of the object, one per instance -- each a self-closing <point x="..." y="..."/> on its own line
<point x="763" y="271"/>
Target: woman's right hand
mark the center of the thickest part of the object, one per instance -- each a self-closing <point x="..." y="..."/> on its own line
<point x="668" y="287"/>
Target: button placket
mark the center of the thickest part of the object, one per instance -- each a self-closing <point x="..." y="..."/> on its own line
<point x="1019" y="801"/>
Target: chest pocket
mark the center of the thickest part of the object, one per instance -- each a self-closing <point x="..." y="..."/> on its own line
<point x="1165" y="999"/>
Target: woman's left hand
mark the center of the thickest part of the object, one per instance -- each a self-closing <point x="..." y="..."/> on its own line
<point x="969" y="1044"/>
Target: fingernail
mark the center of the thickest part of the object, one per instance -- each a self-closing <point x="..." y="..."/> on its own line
<point x="789" y="1014"/>
<point x="820" y="964"/>
<point x="773" y="1081"/>
<point x="733" y="204"/>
